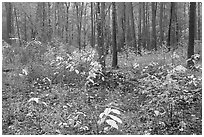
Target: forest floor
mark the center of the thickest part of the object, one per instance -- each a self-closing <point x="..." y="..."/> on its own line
<point x="148" y="94"/>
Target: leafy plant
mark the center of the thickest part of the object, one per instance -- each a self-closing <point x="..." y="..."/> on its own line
<point x="110" y="119"/>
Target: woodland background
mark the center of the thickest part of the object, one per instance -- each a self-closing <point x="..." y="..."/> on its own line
<point x="101" y="68"/>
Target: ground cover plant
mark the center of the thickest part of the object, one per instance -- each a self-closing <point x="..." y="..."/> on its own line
<point x="67" y="93"/>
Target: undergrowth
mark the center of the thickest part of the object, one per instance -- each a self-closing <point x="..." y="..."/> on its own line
<point x="64" y="92"/>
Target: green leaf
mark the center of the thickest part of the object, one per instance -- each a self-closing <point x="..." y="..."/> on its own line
<point x="115" y="111"/>
<point x="112" y="123"/>
<point x="115" y="118"/>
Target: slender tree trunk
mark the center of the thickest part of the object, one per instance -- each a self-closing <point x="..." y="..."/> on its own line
<point x="199" y="21"/>
<point x="140" y="27"/>
<point x="8" y="6"/>
<point x="145" y="28"/>
<point x="25" y="27"/>
<point x="170" y="26"/>
<point x="100" y="18"/>
<point x="114" y="43"/>
<point x="191" y="32"/>
<point x="133" y="29"/>
<point x="67" y="25"/>
<point x="18" y="30"/>
<point x="49" y="23"/>
<point x="92" y="26"/>
<point x="161" y="23"/>
<point x="154" y="36"/>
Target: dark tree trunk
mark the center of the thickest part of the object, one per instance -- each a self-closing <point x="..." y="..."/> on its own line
<point x="133" y="29"/>
<point x="161" y="23"/>
<point x="140" y="27"/>
<point x="92" y="26"/>
<point x="114" y="43"/>
<point x="191" y="33"/>
<point x="154" y="36"/>
<point x="8" y="6"/>
<point x="100" y="19"/>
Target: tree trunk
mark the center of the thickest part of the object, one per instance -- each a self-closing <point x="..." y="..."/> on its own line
<point x="100" y="26"/>
<point x="67" y="22"/>
<point x="154" y="36"/>
<point x="161" y="23"/>
<point x="170" y="26"/>
<point x="191" y="33"/>
<point x="92" y="26"/>
<point x="140" y="27"/>
<point x="25" y="27"/>
<point x="8" y="6"/>
<point x="17" y="26"/>
<point x="145" y="26"/>
<point x="114" y="43"/>
<point x="133" y="29"/>
<point x="199" y="21"/>
<point x="49" y="23"/>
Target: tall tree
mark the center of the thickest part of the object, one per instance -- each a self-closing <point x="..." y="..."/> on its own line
<point x="17" y="26"/>
<point x="67" y="21"/>
<point x="133" y="28"/>
<point x="173" y="28"/>
<point x="49" y="23"/>
<point x="114" y="43"/>
<point x="154" y="36"/>
<point x="121" y="24"/>
<point x="161" y="23"/>
<point x="140" y="27"/>
<point x="199" y="21"/>
<point x="8" y="6"/>
<point x="79" y="13"/>
<point x="100" y="28"/>
<point x="92" y="26"/>
<point x="191" y="33"/>
<point x="145" y="24"/>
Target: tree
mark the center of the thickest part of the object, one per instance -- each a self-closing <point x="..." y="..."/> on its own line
<point x="161" y="23"/>
<point x="92" y="26"/>
<point x="17" y="26"/>
<point x="8" y="6"/>
<point x="133" y="28"/>
<point x="121" y="25"/>
<point x="199" y="22"/>
<point x="114" y="43"/>
<point x="191" y="33"/>
<point x="173" y="28"/>
<point x="100" y="30"/>
<point x="140" y="27"/>
<point x="154" y="36"/>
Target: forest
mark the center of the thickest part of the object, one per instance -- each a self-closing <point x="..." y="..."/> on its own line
<point x="101" y="68"/>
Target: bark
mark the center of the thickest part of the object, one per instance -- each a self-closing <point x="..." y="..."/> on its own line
<point x="133" y="29"/>
<point x="8" y="6"/>
<point x="154" y="36"/>
<point x="199" y="21"/>
<point x="100" y="26"/>
<point x="25" y="27"/>
<point x="145" y="26"/>
<point x="17" y="26"/>
<point x="114" y="43"/>
<point x="140" y="26"/>
<point x="161" y="23"/>
<point x="191" y="32"/>
<point x="92" y="26"/>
